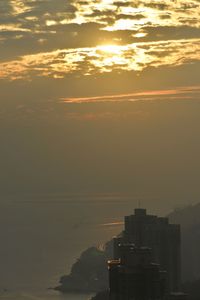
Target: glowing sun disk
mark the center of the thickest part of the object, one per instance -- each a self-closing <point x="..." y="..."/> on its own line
<point x="109" y="48"/>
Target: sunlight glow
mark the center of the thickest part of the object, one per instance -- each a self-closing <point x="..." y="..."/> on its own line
<point x="50" y="22"/>
<point x="109" y="48"/>
<point x="19" y="7"/>
<point x="140" y="34"/>
<point x="13" y="28"/>
<point x="132" y="17"/>
<point x="102" y="59"/>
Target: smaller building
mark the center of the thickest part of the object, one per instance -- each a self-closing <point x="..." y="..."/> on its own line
<point x="135" y="277"/>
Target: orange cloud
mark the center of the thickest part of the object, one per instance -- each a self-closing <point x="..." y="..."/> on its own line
<point x="113" y="224"/>
<point x="184" y="92"/>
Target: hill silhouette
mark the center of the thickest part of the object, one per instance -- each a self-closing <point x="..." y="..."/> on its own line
<point x="89" y="272"/>
<point x="189" y="219"/>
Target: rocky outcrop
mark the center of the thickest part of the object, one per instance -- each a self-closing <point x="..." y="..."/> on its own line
<point x="89" y="273"/>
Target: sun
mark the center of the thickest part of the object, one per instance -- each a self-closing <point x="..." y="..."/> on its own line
<point x="115" y="49"/>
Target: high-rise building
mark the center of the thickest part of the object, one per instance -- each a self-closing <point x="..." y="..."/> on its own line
<point x="134" y="277"/>
<point x="163" y="238"/>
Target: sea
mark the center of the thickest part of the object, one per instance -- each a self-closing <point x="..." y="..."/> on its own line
<point x="41" y="236"/>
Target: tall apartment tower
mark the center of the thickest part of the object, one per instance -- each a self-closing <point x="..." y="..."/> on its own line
<point x="163" y="238"/>
<point x="135" y="277"/>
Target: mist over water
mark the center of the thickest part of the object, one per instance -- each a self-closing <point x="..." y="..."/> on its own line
<point x="36" y="295"/>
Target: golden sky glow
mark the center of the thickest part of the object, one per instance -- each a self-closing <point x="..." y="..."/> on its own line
<point x="103" y="58"/>
<point x="58" y="39"/>
<point x="96" y="36"/>
<point x="100" y="95"/>
<point x="20" y="6"/>
<point x="134" y="14"/>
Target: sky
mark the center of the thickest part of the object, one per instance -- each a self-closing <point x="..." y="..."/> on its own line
<point x="100" y="97"/>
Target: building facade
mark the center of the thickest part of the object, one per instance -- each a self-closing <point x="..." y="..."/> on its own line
<point x="135" y="277"/>
<point x="163" y="238"/>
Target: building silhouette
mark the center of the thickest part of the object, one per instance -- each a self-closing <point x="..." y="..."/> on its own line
<point x="162" y="238"/>
<point x="135" y="277"/>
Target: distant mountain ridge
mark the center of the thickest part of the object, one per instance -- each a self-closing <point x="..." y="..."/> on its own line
<point x="189" y="219"/>
<point x="188" y="216"/>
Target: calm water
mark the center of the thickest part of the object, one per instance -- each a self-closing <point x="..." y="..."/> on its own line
<point x="36" y="295"/>
<point x="41" y="237"/>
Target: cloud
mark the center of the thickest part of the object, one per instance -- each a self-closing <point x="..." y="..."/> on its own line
<point x="111" y="224"/>
<point x="149" y="41"/>
<point x="170" y="32"/>
<point x="102" y="59"/>
<point x="37" y="15"/>
<point x="38" y="26"/>
<point x="175" y="94"/>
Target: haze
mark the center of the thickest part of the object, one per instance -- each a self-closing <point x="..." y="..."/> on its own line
<point x="100" y="97"/>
